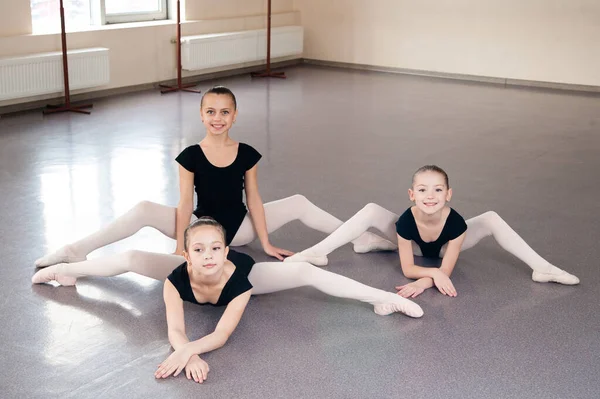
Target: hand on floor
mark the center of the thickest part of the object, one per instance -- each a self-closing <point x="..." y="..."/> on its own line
<point x="173" y="364"/>
<point x="197" y="369"/>
<point x="410" y="290"/>
<point x="444" y="284"/>
<point x="276" y="252"/>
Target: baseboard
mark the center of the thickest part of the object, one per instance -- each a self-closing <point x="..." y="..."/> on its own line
<point x="93" y="95"/>
<point x="456" y="76"/>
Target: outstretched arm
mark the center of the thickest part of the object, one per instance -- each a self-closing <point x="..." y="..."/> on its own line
<point x="451" y="255"/>
<point x="257" y="213"/>
<point x="175" y="316"/>
<point x="186" y="351"/>
<point x="225" y="327"/>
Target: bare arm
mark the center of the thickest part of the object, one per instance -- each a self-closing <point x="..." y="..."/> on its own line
<point x="407" y="262"/>
<point x="175" y="316"/>
<point x="186" y="351"/>
<point x="428" y="277"/>
<point x="451" y="255"/>
<point x="442" y="279"/>
<point x="227" y="324"/>
<point x="185" y="206"/>
<point x="255" y="205"/>
<point x="176" y="322"/>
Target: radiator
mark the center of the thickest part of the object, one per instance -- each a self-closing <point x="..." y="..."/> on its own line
<point x="31" y="75"/>
<point x="221" y="49"/>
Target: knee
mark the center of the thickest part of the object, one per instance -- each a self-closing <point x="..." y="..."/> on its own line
<point x="298" y="204"/>
<point x="485" y="224"/>
<point x="132" y="258"/>
<point x="371" y="209"/>
<point x="491" y="217"/>
<point x="143" y="207"/>
<point x="298" y="200"/>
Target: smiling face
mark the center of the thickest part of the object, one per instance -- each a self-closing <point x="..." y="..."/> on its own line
<point x="206" y="250"/>
<point x="429" y="192"/>
<point x="218" y="113"/>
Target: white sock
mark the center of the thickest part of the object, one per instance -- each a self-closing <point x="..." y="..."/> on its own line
<point x="52" y="273"/>
<point x="369" y="242"/>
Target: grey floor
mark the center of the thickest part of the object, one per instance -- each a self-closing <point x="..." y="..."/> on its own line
<point x="341" y="138"/>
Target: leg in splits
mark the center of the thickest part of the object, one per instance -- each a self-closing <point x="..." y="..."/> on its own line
<point x="487" y="224"/>
<point x="144" y="214"/>
<point x="490" y="224"/>
<point x="163" y="218"/>
<point x="268" y="277"/>
<point x="149" y="264"/>
<point x="371" y="216"/>
<point x="298" y="207"/>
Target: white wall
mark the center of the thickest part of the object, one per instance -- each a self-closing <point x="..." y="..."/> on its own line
<point x="138" y="55"/>
<point x="15" y="18"/>
<point x="541" y="40"/>
<point x="216" y="9"/>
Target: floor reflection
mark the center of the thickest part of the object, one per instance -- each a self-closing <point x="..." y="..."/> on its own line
<point x="77" y="193"/>
<point x="136" y="174"/>
<point x="70" y="197"/>
<point x="70" y="334"/>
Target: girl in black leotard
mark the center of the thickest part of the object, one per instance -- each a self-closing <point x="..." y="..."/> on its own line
<point x="213" y="274"/>
<point x="219" y="170"/>
<point x="430" y="228"/>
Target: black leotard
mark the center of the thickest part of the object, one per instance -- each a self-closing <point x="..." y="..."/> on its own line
<point x="406" y="227"/>
<point x="237" y="284"/>
<point x="219" y="190"/>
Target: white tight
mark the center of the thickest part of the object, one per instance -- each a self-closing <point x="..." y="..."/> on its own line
<point x="281" y="212"/>
<point x="163" y="218"/>
<point x="479" y="227"/>
<point x="266" y="277"/>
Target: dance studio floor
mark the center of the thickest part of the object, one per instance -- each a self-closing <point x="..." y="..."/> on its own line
<point x="343" y="139"/>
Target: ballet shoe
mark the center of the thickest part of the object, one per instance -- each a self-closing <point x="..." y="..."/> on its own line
<point x="62" y="255"/>
<point x="51" y="274"/>
<point x="561" y="277"/>
<point x="399" y="304"/>
<point x="313" y="260"/>
<point x="374" y="243"/>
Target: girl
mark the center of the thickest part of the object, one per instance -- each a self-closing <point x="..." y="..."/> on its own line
<point x="213" y="274"/>
<point x="432" y="229"/>
<point x="218" y="169"/>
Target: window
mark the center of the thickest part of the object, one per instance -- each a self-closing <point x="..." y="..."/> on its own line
<point x="45" y="15"/>
<point x="79" y="14"/>
<point x="134" y="10"/>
